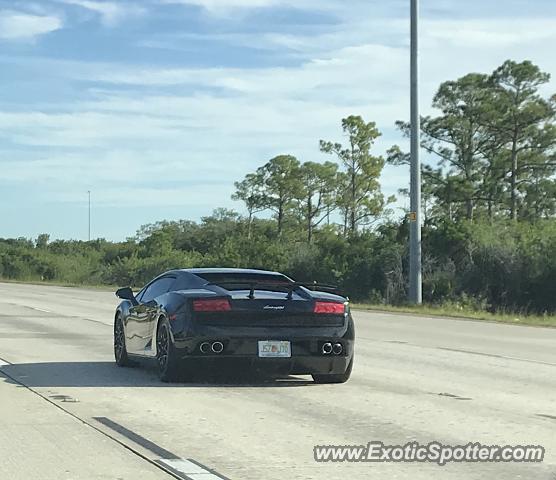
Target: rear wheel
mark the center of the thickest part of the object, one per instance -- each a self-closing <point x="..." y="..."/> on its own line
<point x="120" y="350"/>
<point x="334" y="377"/>
<point x="166" y="353"/>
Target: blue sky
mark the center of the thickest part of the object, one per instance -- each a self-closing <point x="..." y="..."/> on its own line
<point x="158" y="106"/>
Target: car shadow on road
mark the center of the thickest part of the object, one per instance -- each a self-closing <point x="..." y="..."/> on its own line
<point x="107" y="374"/>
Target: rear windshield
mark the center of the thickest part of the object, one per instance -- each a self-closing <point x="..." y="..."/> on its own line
<point x="243" y="281"/>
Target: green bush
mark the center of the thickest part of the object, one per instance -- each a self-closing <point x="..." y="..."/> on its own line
<point x="503" y="265"/>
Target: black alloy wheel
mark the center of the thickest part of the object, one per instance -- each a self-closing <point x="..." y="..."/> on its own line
<point x="120" y="350"/>
<point x="165" y="353"/>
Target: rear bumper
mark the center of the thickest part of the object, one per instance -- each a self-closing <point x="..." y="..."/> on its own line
<point x="241" y="348"/>
<point x="241" y="353"/>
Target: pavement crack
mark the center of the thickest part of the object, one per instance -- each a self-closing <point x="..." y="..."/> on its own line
<point x="545" y="415"/>
<point x="452" y="395"/>
<point x="494" y="355"/>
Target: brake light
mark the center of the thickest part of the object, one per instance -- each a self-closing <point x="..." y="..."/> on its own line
<point x="329" y="307"/>
<point x="212" y="305"/>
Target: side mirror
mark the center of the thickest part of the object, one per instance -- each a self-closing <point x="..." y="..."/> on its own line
<point x="126" y="293"/>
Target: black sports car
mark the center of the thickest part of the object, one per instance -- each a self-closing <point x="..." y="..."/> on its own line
<point x="238" y="317"/>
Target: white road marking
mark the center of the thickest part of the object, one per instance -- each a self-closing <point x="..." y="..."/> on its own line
<point x="3" y="364"/>
<point x="204" y="476"/>
<point x="192" y="470"/>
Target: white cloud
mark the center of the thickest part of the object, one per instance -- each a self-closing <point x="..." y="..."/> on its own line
<point x="111" y="13"/>
<point x="123" y="177"/>
<point x="216" y="124"/>
<point x="225" y="4"/>
<point x="216" y="5"/>
<point x="281" y="107"/>
<point x="336" y="78"/>
<point x="488" y="34"/>
<point x="224" y="7"/>
<point x="18" y="25"/>
<point x="124" y="139"/>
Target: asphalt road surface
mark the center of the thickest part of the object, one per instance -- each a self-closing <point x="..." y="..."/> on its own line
<point x="67" y="412"/>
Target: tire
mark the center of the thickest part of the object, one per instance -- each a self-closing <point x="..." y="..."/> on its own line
<point x="166" y="353"/>
<point x="120" y="350"/>
<point x="334" y="377"/>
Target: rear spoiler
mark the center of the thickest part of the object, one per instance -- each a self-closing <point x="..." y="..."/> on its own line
<point x="290" y="286"/>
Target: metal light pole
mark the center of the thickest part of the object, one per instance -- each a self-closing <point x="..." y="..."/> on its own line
<point x="415" y="280"/>
<point x="89" y="192"/>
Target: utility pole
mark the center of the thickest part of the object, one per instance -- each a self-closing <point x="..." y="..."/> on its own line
<point x="89" y="192"/>
<point x="415" y="280"/>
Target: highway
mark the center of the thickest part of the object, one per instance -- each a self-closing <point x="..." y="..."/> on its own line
<point x="67" y="412"/>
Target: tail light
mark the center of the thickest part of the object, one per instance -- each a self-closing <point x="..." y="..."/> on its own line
<point x="211" y="305"/>
<point x="334" y="308"/>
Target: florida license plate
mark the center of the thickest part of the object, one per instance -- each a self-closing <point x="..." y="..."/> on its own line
<point x="275" y="348"/>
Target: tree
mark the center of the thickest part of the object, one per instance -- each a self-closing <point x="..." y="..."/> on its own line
<point x="319" y="183"/>
<point x="42" y="240"/>
<point x="540" y="199"/>
<point x="282" y="186"/>
<point x="251" y="191"/>
<point x="433" y="184"/>
<point x="460" y="140"/>
<point x="525" y="123"/>
<point x="361" y="198"/>
<point x="495" y="140"/>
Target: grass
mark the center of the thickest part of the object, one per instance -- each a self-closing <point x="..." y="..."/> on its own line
<point x="455" y="312"/>
<point x="53" y="283"/>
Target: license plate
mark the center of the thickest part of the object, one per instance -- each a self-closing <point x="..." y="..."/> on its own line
<point x="275" y="348"/>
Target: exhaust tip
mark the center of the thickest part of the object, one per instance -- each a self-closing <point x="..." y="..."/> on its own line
<point x="326" y="348"/>
<point x="204" y="347"/>
<point x="337" y="348"/>
<point x="217" y="347"/>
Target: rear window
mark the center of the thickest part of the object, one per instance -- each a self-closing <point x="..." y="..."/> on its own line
<point x="242" y="281"/>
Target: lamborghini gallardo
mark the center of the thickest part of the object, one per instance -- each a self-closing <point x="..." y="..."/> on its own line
<point x="235" y="318"/>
